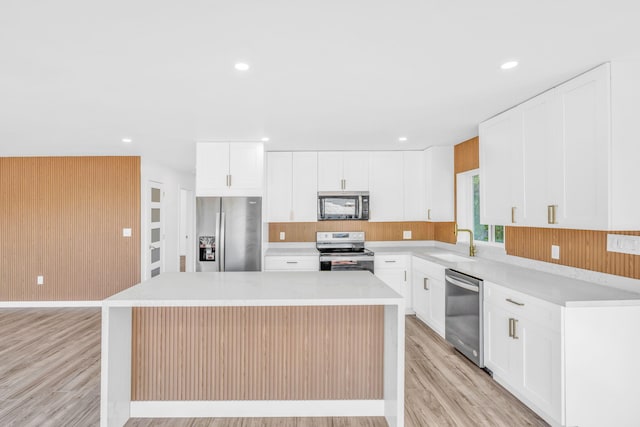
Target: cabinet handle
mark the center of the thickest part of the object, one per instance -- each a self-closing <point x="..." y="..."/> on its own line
<point x="513" y="215"/>
<point x="229" y="180"/>
<point x="551" y="214"/>
<point x="510" y="327"/>
<point x="389" y="261"/>
<point x="425" y="283"/>
<point x="515" y="329"/>
<point x="429" y="214"/>
<point x="405" y="275"/>
<point x="292" y="262"/>
<point x="344" y="184"/>
<point x="514" y="302"/>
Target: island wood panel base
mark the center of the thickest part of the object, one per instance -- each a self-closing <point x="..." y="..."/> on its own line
<point x="586" y="249"/>
<point x="257" y="353"/>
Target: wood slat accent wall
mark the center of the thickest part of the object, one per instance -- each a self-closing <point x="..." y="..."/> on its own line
<point x="466" y="157"/>
<point x="257" y="353"/>
<point x="585" y="249"/>
<point x="443" y="232"/>
<point x="62" y="217"/>
<point x="375" y="231"/>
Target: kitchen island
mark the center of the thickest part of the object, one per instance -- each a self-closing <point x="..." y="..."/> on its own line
<point x="253" y="344"/>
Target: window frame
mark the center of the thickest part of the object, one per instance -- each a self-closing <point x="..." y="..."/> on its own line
<point x="464" y="210"/>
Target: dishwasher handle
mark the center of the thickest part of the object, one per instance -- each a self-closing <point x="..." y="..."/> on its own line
<point x="461" y="284"/>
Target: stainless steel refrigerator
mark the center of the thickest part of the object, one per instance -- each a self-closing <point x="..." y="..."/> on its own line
<point x="229" y="233"/>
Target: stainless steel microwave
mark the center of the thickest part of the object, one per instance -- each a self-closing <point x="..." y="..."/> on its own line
<point x="343" y="205"/>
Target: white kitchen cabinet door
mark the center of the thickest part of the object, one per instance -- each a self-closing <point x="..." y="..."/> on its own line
<point x="279" y="183"/>
<point x="541" y="133"/>
<point x="330" y="164"/>
<point x="414" y="186"/>
<point x="385" y="186"/>
<point x="420" y="294"/>
<point x="356" y="170"/>
<point x="586" y="133"/>
<point x="501" y="354"/>
<point x="439" y="183"/>
<point x="212" y="168"/>
<point x="436" y="304"/>
<point x="541" y="366"/>
<point x="500" y="166"/>
<point x="246" y="163"/>
<point x="304" y="193"/>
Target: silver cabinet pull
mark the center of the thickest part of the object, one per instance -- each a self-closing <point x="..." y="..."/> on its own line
<point x="229" y="180"/>
<point x="510" y="327"/>
<point x="429" y="214"/>
<point x="425" y="283"/>
<point x="405" y="275"/>
<point x="292" y="262"/>
<point x="513" y="215"/>
<point x="515" y="302"/>
<point x="515" y="329"/>
<point x="389" y="261"/>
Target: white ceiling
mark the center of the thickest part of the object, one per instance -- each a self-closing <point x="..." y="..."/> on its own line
<point x="77" y="76"/>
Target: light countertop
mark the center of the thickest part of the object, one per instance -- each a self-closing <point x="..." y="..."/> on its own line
<point x="549" y="287"/>
<point x="258" y="289"/>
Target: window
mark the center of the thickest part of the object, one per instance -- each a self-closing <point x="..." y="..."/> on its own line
<point x="468" y="203"/>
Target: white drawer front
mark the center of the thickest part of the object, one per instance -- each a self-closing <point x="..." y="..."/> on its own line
<point x="293" y="263"/>
<point x="391" y="261"/>
<point x="534" y="309"/>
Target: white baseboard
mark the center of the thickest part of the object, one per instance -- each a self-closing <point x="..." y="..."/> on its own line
<point x="49" y="304"/>
<point x="257" y="408"/>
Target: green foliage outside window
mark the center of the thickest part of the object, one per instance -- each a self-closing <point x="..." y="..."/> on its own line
<point x="481" y="231"/>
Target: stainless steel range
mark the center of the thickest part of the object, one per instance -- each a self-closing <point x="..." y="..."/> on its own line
<point x="343" y="251"/>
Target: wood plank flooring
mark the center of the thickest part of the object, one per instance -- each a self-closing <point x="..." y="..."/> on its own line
<point x="50" y="376"/>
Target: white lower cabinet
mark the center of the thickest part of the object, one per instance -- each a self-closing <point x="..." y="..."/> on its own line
<point x="522" y="344"/>
<point x="427" y="280"/>
<point x="394" y="271"/>
<point x="291" y="263"/>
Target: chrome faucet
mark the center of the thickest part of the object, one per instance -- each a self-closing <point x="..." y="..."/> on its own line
<point x="472" y="247"/>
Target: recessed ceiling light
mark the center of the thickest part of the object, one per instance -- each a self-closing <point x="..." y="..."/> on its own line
<point x="242" y="66"/>
<point x="509" y="65"/>
<point x="403" y="139"/>
<point x="127" y="140"/>
<point x="265" y="139"/>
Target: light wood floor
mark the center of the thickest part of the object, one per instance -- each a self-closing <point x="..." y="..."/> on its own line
<point x="50" y="376"/>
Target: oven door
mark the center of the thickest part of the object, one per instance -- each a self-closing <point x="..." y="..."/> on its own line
<point x="346" y="264"/>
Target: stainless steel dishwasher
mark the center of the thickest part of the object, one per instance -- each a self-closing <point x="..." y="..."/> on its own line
<point x="463" y="314"/>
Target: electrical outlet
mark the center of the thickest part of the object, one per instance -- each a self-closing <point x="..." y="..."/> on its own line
<point x="40" y="280"/>
<point x="406" y="235"/>
<point x="555" y="252"/>
<point x="623" y="244"/>
<point x="282" y="235"/>
<point x="126" y="232"/>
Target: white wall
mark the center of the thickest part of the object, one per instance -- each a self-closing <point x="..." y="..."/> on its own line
<point x="173" y="181"/>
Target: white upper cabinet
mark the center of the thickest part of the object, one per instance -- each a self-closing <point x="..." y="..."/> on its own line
<point x="500" y="167"/>
<point x="439" y="183"/>
<point x="415" y="190"/>
<point x="291" y="186"/>
<point x="564" y="158"/>
<point x="343" y="171"/>
<point x="279" y="183"/>
<point x="304" y="189"/>
<point x="224" y="169"/>
<point x="385" y="186"/>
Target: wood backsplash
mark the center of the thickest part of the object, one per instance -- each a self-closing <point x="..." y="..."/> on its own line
<point x="586" y="249"/>
<point x="374" y="231"/>
<point x="62" y="218"/>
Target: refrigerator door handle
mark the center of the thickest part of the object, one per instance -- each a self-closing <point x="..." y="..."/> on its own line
<point x="218" y="243"/>
<point x="223" y="226"/>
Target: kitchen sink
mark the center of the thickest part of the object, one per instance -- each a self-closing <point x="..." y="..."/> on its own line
<point x="452" y="257"/>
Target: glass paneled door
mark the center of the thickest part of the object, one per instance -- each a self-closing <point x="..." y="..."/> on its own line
<point x="155" y="230"/>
